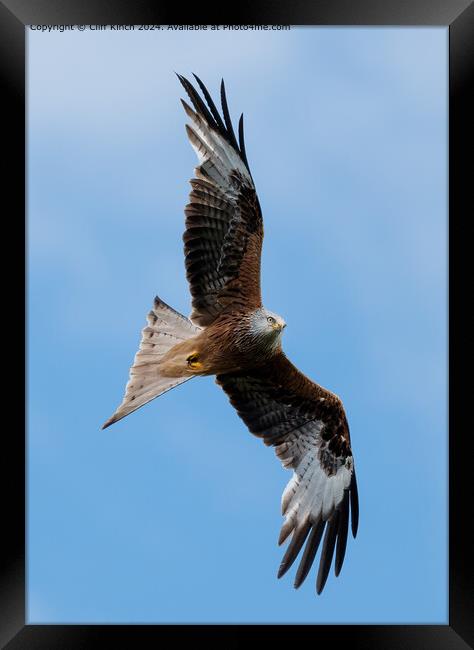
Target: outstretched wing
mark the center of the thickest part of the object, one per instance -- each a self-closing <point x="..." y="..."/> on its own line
<point x="224" y="228"/>
<point x="308" y="428"/>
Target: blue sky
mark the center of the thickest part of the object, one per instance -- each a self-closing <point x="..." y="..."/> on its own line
<point x="172" y="515"/>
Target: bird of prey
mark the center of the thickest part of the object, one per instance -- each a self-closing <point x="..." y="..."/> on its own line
<point x="231" y="334"/>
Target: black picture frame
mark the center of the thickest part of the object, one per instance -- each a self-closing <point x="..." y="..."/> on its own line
<point x="458" y="15"/>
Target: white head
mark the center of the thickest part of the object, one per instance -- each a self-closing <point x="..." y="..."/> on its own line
<point x="267" y="325"/>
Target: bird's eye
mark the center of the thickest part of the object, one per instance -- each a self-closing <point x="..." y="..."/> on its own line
<point x="271" y="320"/>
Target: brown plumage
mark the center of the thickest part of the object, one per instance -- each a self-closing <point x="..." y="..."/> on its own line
<point x="231" y="335"/>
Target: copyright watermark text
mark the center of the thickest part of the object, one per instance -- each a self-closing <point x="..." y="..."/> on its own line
<point x="150" y="28"/>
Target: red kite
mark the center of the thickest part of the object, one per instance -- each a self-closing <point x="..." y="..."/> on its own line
<point x="231" y="334"/>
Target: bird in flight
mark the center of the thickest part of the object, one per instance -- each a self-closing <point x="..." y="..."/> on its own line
<point x="231" y="334"/>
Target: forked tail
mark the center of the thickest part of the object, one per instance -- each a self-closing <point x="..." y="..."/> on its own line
<point x="166" y="328"/>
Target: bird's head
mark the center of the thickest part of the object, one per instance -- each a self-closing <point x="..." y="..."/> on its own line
<point x="267" y="324"/>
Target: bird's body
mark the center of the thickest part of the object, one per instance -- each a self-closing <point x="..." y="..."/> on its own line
<point x="230" y="344"/>
<point x="231" y="335"/>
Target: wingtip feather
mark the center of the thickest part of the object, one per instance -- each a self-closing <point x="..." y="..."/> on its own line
<point x="354" y="507"/>
<point x="309" y="554"/>
<point x="342" y="530"/>
<point x="227" y="120"/>
<point x="299" y="536"/>
<point x="109" y="422"/>
<point x="327" y="552"/>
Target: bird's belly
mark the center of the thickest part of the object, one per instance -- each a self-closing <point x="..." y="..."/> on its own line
<point x="217" y="350"/>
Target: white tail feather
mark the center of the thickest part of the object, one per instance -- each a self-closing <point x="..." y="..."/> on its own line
<point x="166" y="327"/>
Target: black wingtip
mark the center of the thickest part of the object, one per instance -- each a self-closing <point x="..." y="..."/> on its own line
<point x="201" y="84"/>
<point x="354" y="506"/>
<point x="309" y="554"/>
<point x="227" y="120"/>
<point x="212" y="115"/>
<point x="243" y="153"/>
<point x="215" y="113"/>
<point x="327" y="552"/>
<point x="342" y="530"/>
<point x="297" y="541"/>
<point x="197" y="102"/>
